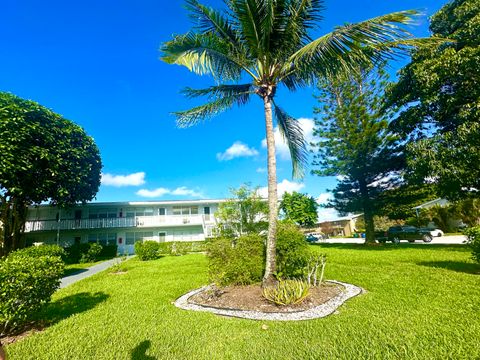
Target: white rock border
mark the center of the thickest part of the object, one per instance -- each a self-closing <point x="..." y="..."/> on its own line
<point x="316" y="312"/>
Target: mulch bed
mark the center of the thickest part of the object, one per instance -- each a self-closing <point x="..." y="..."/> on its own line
<point x="250" y="298"/>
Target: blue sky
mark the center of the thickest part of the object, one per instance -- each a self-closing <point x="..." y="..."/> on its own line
<point x="96" y="63"/>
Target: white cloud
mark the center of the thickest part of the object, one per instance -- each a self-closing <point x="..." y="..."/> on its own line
<point x="238" y="149"/>
<point x="323" y="198"/>
<point x="281" y="146"/>
<point x="184" y="191"/>
<point x="261" y="170"/>
<point x="282" y="188"/>
<point x="134" y="179"/>
<point x="327" y="214"/>
<point x="159" y="192"/>
<point x="341" y="177"/>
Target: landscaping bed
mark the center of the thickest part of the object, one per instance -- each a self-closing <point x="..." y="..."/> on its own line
<point x="422" y="303"/>
<point x="250" y="298"/>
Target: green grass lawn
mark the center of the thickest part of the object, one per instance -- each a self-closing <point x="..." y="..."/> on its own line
<point x="423" y="302"/>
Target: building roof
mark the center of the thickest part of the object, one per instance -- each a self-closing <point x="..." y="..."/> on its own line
<point x="141" y="203"/>
<point x="439" y="201"/>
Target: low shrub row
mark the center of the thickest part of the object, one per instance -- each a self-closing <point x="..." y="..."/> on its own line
<point x="151" y="250"/>
<point x="28" y="279"/>
<point x="88" y="252"/>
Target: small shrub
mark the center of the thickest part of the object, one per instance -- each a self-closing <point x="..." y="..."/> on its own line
<point x="26" y="284"/>
<point x="316" y="269"/>
<point x="147" y="250"/>
<point x="287" y="292"/>
<point x="76" y="251"/>
<point x="180" y="248"/>
<point x="109" y="251"/>
<point x="42" y="250"/>
<point x="165" y="248"/>
<point x="292" y="251"/>
<point x="92" y="253"/>
<point x="473" y="240"/>
<point x="236" y="262"/>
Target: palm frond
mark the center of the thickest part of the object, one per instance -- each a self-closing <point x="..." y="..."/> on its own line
<point x="343" y="47"/>
<point x="203" y="54"/>
<point x="223" y="98"/>
<point x="292" y="133"/>
<point x="241" y="92"/>
<point x="209" y="20"/>
<point x="300" y="17"/>
<point x="250" y="14"/>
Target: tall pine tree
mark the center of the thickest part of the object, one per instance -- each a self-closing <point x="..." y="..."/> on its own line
<point x="355" y="143"/>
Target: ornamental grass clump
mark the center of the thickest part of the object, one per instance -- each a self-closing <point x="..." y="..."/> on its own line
<point x="287" y="292"/>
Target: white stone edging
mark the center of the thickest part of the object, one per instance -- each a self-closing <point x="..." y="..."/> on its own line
<point x="316" y="312"/>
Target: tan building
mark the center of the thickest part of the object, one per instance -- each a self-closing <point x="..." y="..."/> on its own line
<point x="344" y="226"/>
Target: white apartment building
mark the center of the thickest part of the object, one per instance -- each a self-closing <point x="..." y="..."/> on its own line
<point x="122" y="223"/>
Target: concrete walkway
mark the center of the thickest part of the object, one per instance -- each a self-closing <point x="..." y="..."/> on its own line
<point x="85" y="273"/>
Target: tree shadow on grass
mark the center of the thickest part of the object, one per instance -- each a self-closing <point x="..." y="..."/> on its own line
<point x="458" y="266"/>
<point x="70" y="305"/>
<point x="73" y="271"/>
<point x="139" y="351"/>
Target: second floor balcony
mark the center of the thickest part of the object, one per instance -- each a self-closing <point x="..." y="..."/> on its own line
<point x="125" y="222"/>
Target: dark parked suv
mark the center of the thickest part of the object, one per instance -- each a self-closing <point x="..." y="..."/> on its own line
<point x="410" y="233"/>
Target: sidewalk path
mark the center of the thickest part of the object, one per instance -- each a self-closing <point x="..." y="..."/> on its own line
<point x="68" y="280"/>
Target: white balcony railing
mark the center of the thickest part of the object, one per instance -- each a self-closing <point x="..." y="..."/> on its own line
<point x="138" y="221"/>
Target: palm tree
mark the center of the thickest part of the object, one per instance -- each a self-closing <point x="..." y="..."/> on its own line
<point x="269" y="42"/>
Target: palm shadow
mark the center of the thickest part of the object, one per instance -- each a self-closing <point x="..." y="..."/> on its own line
<point x="70" y="305"/>
<point x="458" y="266"/>
<point x="139" y="351"/>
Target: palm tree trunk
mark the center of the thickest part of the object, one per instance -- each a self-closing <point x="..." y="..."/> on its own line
<point x="270" y="263"/>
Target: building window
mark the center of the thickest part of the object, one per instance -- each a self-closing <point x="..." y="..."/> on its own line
<point x="138" y="212"/>
<point x="103" y="238"/>
<point x="102" y="213"/>
<point x="185" y="210"/>
<point x="132" y="238"/>
<point x="161" y="211"/>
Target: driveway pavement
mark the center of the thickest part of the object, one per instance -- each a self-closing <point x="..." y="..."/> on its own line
<point x="451" y="239"/>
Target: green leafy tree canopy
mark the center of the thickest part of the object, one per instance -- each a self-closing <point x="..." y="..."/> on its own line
<point x="300" y="208"/>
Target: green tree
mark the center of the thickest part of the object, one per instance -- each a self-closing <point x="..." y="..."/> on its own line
<point x="356" y="143"/>
<point x="439" y="94"/>
<point x="300" y="208"/>
<point x="245" y="213"/>
<point x="43" y="157"/>
<point x="398" y="203"/>
<point x="270" y="43"/>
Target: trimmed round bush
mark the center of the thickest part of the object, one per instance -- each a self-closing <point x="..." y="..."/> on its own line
<point x="92" y="254"/>
<point x="147" y="250"/>
<point x="236" y="261"/>
<point x="293" y="252"/>
<point x="26" y="285"/>
<point x="473" y="240"/>
<point x="42" y="250"/>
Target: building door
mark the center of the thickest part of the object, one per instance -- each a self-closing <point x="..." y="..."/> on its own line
<point x="78" y="217"/>
<point x="206" y="212"/>
<point x="161" y="236"/>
